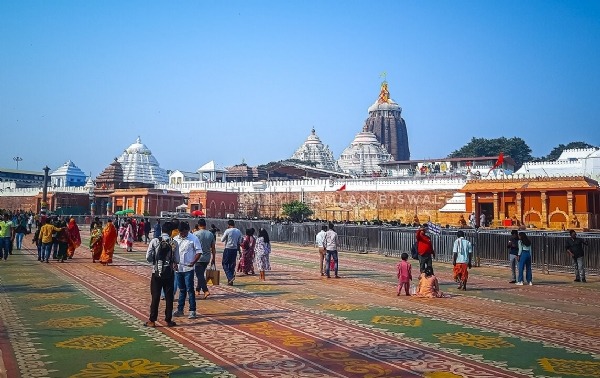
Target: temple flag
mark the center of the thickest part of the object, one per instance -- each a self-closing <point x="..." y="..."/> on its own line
<point x="498" y="163"/>
<point x="343" y="187"/>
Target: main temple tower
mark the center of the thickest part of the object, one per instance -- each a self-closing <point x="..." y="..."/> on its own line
<point x="385" y="121"/>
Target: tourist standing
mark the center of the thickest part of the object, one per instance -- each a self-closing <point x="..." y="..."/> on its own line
<point x="109" y="239"/>
<point x="319" y="243"/>
<point x="330" y="242"/>
<point x="163" y="254"/>
<point x="6" y="236"/>
<point x="513" y="252"/>
<point x="38" y="243"/>
<point x="424" y="248"/>
<point x="96" y="240"/>
<point x="404" y="273"/>
<point x="482" y="220"/>
<point x="575" y="249"/>
<point x="189" y="254"/>
<point x="128" y="236"/>
<point x="207" y="243"/>
<point x="46" y="232"/>
<point x="62" y="239"/>
<point x="74" y="238"/>
<point x="263" y="250"/>
<point x="20" y="230"/>
<point x="462" y="255"/>
<point x="246" y="264"/>
<point x="157" y="229"/>
<point x="147" y="229"/>
<point x="524" y="258"/>
<point x="232" y="237"/>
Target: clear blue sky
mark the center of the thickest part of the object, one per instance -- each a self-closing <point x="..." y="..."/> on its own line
<point x="233" y="80"/>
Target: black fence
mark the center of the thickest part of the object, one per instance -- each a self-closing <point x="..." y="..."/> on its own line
<point x="489" y="245"/>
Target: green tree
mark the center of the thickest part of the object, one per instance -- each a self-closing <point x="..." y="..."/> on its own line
<point x="556" y="151"/>
<point x="514" y="147"/>
<point x="296" y="210"/>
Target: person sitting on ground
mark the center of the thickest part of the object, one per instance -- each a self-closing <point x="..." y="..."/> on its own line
<point x="428" y="285"/>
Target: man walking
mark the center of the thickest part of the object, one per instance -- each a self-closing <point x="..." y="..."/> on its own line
<point x="319" y="243"/>
<point x="330" y="245"/>
<point x="232" y="237"/>
<point x="575" y="249"/>
<point x="189" y="254"/>
<point x="424" y="248"/>
<point x="6" y="236"/>
<point x="207" y="242"/>
<point x="513" y="248"/>
<point x="462" y="255"/>
<point x="163" y="254"/>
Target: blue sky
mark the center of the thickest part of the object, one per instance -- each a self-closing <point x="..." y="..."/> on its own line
<point x="247" y="80"/>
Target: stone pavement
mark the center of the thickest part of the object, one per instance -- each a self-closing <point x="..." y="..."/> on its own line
<point x="79" y="319"/>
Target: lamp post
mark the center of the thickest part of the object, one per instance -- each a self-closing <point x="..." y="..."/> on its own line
<point x="18" y="159"/>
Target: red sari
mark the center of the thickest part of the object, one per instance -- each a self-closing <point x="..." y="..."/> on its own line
<point x="109" y="239"/>
<point x="246" y="263"/>
<point x="96" y="243"/>
<point x="74" y="238"/>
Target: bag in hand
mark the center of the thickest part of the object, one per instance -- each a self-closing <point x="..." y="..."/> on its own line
<point x="212" y="275"/>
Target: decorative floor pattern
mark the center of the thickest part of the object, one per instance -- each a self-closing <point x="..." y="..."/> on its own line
<point x="81" y="319"/>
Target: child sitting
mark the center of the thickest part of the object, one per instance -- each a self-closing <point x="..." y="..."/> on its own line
<point x="404" y="274"/>
<point x="428" y="285"/>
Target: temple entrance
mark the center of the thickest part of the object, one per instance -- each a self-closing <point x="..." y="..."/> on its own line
<point x="488" y="210"/>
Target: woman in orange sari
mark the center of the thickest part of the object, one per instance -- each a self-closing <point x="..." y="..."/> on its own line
<point x="74" y="238"/>
<point x="109" y="239"/>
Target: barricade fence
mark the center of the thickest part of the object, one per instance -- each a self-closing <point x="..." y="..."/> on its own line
<point x="489" y="245"/>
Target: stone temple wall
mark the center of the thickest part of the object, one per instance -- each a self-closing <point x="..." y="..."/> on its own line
<point x="355" y="205"/>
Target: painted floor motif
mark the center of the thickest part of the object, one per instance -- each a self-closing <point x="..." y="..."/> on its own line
<point x="79" y="319"/>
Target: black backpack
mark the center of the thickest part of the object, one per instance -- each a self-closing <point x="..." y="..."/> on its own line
<point x="414" y="252"/>
<point x="163" y="259"/>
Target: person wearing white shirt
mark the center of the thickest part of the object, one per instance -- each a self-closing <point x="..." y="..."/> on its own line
<point x="190" y="251"/>
<point x="462" y="254"/>
<point x="319" y="243"/>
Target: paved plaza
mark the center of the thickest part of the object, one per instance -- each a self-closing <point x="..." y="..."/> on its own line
<point x="79" y="319"/>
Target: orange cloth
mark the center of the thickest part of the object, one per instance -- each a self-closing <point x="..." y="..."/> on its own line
<point x="428" y="287"/>
<point x="96" y="243"/>
<point x="461" y="271"/>
<point x="74" y="237"/>
<point x="109" y="239"/>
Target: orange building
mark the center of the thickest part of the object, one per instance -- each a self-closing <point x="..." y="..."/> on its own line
<point x="145" y="201"/>
<point x="213" y="204"/>
<point x="542" y="202"/>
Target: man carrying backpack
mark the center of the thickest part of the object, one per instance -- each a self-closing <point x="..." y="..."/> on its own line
<point x="163" y="254"/>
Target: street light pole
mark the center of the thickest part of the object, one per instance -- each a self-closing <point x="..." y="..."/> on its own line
<point x="18" y="159"/>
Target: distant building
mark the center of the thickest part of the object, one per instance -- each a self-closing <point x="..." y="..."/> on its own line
<point x="364" y="156"/>
<point x="386" y="122"/>
<point x="20" y="178"/>
<point x="140" y="166"/>
<point x="68" y="175"/>
<point x="472" y="167"/>
<point x="244" y="172"/>
<point x="179" y="177"/>
<point x="571" y="162"/>
<point x="315" y="152"/>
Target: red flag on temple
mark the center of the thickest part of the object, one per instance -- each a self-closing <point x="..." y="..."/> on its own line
<point x="343" y="187"/>
<point x="498" y="162"/>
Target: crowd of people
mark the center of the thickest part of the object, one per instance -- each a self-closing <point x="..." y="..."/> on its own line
<point x="181" y="256"/>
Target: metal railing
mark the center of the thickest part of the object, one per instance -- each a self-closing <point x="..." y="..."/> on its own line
<point x="489" y="245"/>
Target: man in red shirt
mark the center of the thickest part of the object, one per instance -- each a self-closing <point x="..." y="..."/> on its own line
<point x="425" y="248"/>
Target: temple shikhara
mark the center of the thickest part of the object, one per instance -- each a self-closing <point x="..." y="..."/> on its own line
<point x="373" y="179"/>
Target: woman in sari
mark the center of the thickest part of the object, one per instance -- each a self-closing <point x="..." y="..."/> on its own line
<point x="128" y="237"/>
<point x="263" y="249"/>
<point x="109" y="239"/>
<point x="74" y="238"/>
<point x="96" y="241"/>
<point x="246" y="263"/>
<point x="428" y="285"/>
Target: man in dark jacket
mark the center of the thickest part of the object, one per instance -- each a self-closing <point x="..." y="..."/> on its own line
<point x="575" y="249"/>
